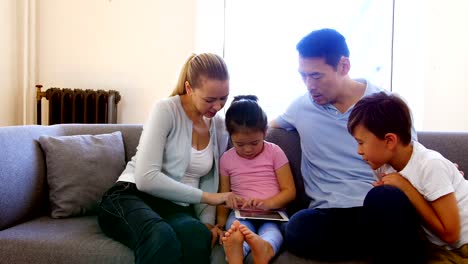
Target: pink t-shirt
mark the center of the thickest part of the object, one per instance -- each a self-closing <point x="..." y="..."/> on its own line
<point x="254" y="178"/>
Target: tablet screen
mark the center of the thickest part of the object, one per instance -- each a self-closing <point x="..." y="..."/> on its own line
<point x="266" y="215"/>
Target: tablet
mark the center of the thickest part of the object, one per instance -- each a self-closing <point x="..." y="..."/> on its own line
<point x="260" y="214"/>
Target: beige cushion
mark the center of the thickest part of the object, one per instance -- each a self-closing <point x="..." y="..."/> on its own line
<point x="80" y="169"/>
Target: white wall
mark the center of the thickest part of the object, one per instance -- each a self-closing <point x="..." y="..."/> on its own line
<point x="137" y="48"/>
<point x="446" y="96"/>
<point x="431" y="61"/>
<point x="134" y="47"/>
<point x="10" y="98"/>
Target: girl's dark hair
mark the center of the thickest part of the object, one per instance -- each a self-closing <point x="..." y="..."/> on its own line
<point x="382" y="113"/>
<point x="244" y="113"/>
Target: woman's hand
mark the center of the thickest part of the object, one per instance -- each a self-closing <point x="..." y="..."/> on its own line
<point x="216" y="233"/>
<point x="227" y="198"/>
<point x="234" y="201"/>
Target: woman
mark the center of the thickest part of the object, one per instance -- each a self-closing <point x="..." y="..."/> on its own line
<point x="162" y="205"/>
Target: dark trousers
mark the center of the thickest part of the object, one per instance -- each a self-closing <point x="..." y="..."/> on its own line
<point x="386" y="229"/>
<point x="157" y="230"/>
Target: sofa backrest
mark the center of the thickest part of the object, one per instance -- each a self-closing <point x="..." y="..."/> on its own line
<point x="452" y="145"/>
<point x="290" y="143"/>
<point x="23" y="191"/>
<point x="130" y="133"/>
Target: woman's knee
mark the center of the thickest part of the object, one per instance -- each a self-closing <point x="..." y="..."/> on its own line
<point x="195" y="240"/>
<point x="115" y="226"/>
<point x="188" y="228"/>
<point x="192" y="228"/>
<point x="158" y="242"/>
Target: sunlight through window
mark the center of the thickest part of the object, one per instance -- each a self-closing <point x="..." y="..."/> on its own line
<point x="261" y="36"/>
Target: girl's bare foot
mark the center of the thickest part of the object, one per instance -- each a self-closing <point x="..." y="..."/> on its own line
<point x="232" y="228"/>
<point x="233" y="244"/>
<point x="262" y="251"/>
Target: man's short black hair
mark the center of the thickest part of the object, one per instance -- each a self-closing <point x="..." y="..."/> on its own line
<point x="324" y="43"/>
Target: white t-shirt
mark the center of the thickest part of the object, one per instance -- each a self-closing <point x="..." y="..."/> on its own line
<point x="434" y="176"/>
<point x="200" y="164"/>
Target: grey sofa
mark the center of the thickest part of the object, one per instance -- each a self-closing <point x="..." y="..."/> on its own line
<point x="29" y="235"/>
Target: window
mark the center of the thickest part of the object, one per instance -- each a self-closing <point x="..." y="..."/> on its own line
<point x="261" y="35"/>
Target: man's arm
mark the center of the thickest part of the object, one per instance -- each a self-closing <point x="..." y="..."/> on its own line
<point x="273" y="124"/>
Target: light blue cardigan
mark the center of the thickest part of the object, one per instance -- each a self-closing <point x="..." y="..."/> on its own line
<point x="163" y="155"/>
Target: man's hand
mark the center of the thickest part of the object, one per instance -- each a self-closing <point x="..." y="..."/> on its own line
<point x="458" y="167"/>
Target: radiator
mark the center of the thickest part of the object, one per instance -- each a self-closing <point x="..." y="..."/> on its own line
<point x="87" y="106"/>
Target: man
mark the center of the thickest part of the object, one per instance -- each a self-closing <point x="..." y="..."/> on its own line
<point x="347" y="218"/>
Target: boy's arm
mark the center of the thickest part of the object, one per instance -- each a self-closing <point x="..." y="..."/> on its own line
<point x="446" y="209"/>
<point x="441" y="216"/>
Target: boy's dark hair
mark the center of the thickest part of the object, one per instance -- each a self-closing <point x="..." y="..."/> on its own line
<point x="382" y="113"/>
<point x="245" y="113"/>
<point x="324" y="43"/>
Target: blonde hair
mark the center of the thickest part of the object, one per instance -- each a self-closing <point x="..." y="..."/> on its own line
<point x="209" y="65"/>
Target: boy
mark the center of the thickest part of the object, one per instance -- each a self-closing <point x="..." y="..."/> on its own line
<point x="381" y="125"/>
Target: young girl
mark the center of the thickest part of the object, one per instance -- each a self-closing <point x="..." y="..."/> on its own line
<point x="259" y="172"/>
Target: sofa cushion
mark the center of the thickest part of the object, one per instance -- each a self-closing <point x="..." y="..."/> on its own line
<point x="70" y="240"/>
<point x="80" y="169"/>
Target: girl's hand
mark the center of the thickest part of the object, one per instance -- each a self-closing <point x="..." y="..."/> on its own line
<point x="255" y="203"/>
